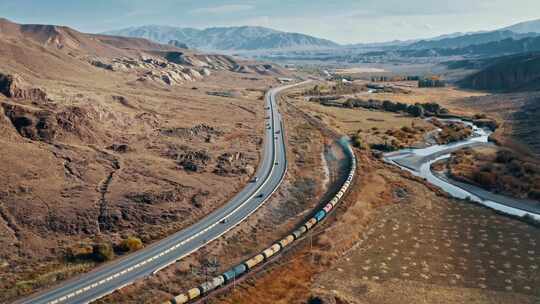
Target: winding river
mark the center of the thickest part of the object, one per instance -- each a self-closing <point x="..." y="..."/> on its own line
<point x="419" y="161"/>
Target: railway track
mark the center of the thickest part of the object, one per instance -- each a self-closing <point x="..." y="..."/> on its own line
<point x="151" y="259"/>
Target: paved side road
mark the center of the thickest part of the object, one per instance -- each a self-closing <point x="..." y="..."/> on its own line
<point x="124" y="271"/>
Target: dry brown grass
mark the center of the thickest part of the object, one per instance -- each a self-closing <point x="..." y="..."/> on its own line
<point x="447" y="97"/>
<point x="400" y="242"/>
<point x="73" y="187"/>
<point x="373" y="126"/>
<point x="51" y="193"/>
<point x="301" y="191"/>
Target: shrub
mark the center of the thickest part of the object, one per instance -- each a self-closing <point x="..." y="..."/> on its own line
<point x="131" y="244"/>
<point x="402" y="107"/>
<point x="515" y="168"/>
<point x="315" y="300"/>
<point x="431" y="83"/>
<point x="416" y="111"/>
<point x="349" y="103"/>
<point x="504" y="156"/>
<point x="432" y="107"/>
<point x="103" y="252"/>
<point x="383" y="147"/>
<point x="512" y="184"/>
<point x="407" y="129"/>
<point x="487" y="179"/>
<point x="80" y="251"/>
<point x="453" y="132"/>
<point x="534" y="194"/>
<point x="389" y="106"/>
<point x="531" y="168"/>
<point x="357" y="142"/>
<point x="487" y="168"/>
<point x="479" y="116"/>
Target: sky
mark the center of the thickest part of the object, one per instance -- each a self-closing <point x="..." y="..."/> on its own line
<point x="343" y="21"/>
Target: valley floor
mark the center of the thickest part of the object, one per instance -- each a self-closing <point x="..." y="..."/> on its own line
<point x="400" y="240"/>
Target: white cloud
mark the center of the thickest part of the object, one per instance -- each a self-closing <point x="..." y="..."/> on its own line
<point x="223" y="9"/>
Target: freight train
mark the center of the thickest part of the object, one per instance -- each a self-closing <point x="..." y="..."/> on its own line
<point x="244" y="267"/>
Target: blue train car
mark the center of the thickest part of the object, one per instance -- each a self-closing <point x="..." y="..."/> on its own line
<point x="235" y="272"/>
<point x="320" y="215"/>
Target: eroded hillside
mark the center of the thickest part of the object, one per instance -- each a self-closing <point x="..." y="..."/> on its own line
<point x="105" y="138"/>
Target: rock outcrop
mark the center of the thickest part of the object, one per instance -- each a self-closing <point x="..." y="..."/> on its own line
<point x="233" y="164"/>
<point x="35" y="125"/>
<point x="155" y="69"/>
<point x="13" y="86"/>
<point x="200" y="131"/>
<point x="175" y="68"/>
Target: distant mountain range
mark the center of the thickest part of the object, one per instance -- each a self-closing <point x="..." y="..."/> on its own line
<point x="525" y="27"/>
<point x="490" y="49"/>
<point x="520" y="38"/>
<point x="469" y="40"/>
<point x="227" y="38"/>
<point x="256" y="38"/>
<point x="462" y="40"/>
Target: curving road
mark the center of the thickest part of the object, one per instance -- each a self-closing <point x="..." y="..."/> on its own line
<point x="124" y="271"/>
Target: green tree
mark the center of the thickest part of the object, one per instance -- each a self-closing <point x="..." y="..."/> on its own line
<point x="432" y="107"/>
<point x="389" y="106"/>
<point x="416" y="110"/>
<point x="357" y="142"/>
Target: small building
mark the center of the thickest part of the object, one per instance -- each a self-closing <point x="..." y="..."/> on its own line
<point x="285" y="80"/>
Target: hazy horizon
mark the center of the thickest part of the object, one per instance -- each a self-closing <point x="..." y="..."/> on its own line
<point x="345" y="22"/>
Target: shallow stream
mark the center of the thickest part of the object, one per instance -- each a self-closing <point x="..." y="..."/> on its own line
<point x="419" y="161"/>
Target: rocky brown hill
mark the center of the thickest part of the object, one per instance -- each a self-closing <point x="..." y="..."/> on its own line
<point x="103" y="138"/>
<point x="67" y="52"/>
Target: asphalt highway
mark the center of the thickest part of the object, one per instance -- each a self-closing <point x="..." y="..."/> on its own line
<point x="145" y="262"/>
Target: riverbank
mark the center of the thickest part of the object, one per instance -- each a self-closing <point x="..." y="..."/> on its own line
<point x="398" y="239"/>
<point x="419" y="161"/>
<point x="523" y="204"/>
